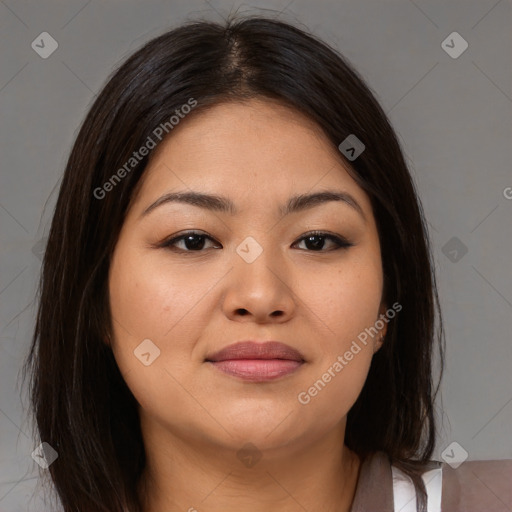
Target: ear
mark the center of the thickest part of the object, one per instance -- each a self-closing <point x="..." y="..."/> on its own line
<point x="106" y="339"/>
<point x="382" y="325"/>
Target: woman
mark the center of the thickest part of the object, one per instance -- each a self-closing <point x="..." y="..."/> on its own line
<point x="237" y="300"/>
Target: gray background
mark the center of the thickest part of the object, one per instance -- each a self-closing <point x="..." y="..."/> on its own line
<point x="453" y="118"/>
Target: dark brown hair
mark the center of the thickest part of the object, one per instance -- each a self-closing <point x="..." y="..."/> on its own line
<point x="81" y="404"/>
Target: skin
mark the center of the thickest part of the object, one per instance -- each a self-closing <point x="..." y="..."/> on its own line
<point x="194" y="418"/>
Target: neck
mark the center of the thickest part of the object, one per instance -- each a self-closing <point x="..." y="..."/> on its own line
<point x="184" y="476"/>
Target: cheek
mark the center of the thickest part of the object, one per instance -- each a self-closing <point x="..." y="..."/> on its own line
<point x="167" y="304"/>
<point x="346" y="301"/>
<point x="337" y="378"/>
<point x="150" y="302"/>
<point x="148" y="299"/>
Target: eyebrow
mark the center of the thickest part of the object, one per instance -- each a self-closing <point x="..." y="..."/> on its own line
<point x="223" y="204"/>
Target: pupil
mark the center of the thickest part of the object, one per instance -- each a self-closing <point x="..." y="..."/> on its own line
<point x="317" y="245"/>
<point x="196" y="245"/>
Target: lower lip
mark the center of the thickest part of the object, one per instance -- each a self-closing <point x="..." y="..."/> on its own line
<point x="257" y="370"/>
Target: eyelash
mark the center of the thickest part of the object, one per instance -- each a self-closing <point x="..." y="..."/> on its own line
<point x="341" y="242"/>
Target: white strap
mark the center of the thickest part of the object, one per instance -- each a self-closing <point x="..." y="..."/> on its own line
<point x="404" y="494"/>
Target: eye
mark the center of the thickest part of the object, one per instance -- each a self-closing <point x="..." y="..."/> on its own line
<point x="191" y="242"/>
<point x="315" y="241"/>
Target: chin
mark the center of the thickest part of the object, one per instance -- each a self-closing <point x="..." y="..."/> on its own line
<point x="262" y="428"/>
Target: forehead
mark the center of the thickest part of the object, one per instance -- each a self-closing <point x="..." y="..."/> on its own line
<point x="253" y="132"/>
<point x="257" y="151"/>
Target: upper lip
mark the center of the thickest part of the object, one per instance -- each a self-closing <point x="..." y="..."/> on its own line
<point x="255" y="350"/>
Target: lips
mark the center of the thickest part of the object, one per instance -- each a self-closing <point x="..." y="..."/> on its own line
<point x="253" y="350"/>
<point x="257" y="362"/>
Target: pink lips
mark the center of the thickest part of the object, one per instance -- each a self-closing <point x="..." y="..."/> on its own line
<point x="257" y="362"/>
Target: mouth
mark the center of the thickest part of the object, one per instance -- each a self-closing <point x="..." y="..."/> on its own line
<point x="257" y="362"/>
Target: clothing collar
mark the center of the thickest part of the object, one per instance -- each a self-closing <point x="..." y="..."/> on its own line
<point x="374" y="490"/>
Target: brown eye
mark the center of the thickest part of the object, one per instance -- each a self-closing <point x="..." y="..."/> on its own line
<point x="190" y="242"/>
<point x="316" y="241"/>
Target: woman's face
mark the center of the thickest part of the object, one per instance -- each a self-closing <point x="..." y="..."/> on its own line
<point x="255" y="275"/>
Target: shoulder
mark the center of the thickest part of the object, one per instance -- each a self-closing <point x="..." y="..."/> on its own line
<point x="474" y="486"/>
<point x="478" y="485"/>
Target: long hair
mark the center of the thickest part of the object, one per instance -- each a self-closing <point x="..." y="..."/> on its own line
<point x="81" y="405"/>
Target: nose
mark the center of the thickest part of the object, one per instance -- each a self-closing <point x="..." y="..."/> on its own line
<point x="260" y="291"/>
